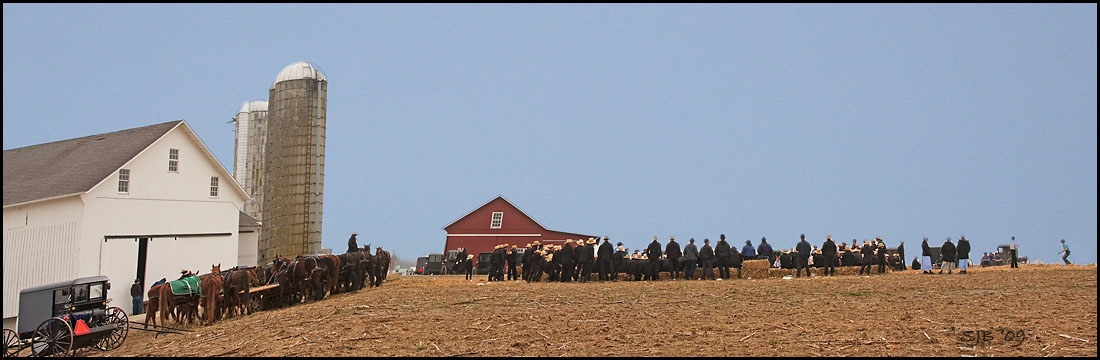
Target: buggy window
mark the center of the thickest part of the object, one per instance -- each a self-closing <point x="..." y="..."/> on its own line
<point x="435" y="258"/>
<point x="61" y="296"/>
<point x="95" y="291"/>
<point x="80" y="293"/>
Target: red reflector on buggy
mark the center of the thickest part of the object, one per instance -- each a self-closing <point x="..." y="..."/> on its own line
<point x="81" y="328"/>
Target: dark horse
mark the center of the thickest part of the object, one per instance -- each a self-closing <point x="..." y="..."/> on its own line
<point x="306" y="275"/>
<point x="382" y="265"/>
<point x="331" y="264"/>
<point x="349" y="272"/>
<point x="235" y="287"/>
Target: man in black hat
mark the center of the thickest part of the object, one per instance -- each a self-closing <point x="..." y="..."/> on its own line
<point x="352" y="246"/>
<point x="672" y="251"/>
<point x="691" y="257"/>
<point x="654" y="254"/>
<point x="828" y="252"/>
<point x="803" y="258"/>
<point x="722" y="257"/>
<point x="138" y="295"/>
<point x="706" y="257"/>
<point x="565" y="258"/>
<point x="603" y="259"/>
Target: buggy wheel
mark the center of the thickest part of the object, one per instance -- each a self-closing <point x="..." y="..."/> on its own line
<point x="118" y="318"/>
<point x="255" y="303"/>
<point x="12" y="345"/>
<point x="53" y="337"/>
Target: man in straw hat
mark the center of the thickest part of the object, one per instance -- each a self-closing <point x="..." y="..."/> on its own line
<point x="618" y="264"/>
<point x="496" y="263"/>
<point x="603" y="259"/>
<point x="586" y="259"/>
<point x="468" y="266"/>
<point x="880" y="254"/>
<point x="868" y="253"/>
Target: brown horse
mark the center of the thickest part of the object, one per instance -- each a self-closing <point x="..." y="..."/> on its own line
<point x="181" y="307"/>
<point x="307" y="275"/>
<point x="211" y="285"/>
<point x="352" y="270"/>
<point x="154" y="304"/>
<point x="383" y="258"/>
<point x="235" y="287"/>
<point x="331" y="264"/>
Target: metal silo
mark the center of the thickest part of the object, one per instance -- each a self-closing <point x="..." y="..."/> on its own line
<point x="248" y="167"/>
<point x="294" y="163"/>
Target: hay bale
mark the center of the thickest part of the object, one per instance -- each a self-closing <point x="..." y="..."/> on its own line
<point x="756" y="269"/>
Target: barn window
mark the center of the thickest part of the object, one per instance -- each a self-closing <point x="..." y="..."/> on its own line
<point x="497" y="217"/>
<point x="213" y="186"/>
<point x="173" y="160"/>
<point x="124" y="181"/>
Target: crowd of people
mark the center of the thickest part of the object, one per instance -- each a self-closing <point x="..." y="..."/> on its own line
<point x="576" y="260"/>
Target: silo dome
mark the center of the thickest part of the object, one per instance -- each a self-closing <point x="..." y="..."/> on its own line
<point x="254" y="105"/>
<point x="299" y="70"/>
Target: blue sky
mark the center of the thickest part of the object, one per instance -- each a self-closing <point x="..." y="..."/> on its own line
<point x="900" y="121"/>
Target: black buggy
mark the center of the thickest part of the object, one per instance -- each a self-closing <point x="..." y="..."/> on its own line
<point x="56" y="319"/>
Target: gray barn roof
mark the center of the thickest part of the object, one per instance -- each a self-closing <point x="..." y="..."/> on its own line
<point x="73" y="166"/>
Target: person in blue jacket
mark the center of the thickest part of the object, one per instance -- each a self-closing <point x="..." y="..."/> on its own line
<point x="748" y="252"/>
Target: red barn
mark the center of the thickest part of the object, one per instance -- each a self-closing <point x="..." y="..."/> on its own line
<point x="499" y="222"/>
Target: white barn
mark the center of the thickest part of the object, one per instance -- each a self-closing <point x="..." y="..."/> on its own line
<point x="136" y="203"/>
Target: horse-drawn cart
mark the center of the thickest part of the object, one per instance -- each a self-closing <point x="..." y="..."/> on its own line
<point x="58" y="318"/>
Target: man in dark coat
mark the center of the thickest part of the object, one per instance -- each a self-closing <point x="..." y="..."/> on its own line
<point x="868" y="252"/>
<point x="496" y="263"/>
<point x="603" y="259"/>
<point x="565" y="258"/>
<point x="785" y="260"/>
<point x="691" y="258"/>
<point x="672" y="251"/>
<point x="947" y="256"/>
<point x="468" y="266"/>
<point x="352" y="246"/>
<point x="511" y="257"/>
<point x="587" y="259"/>
<point x="137" y="294"/>
<point x="460" y="259"/>
<point x="735" y="261"/>
<point x="963" y="253"/>
<point x="925" y="257"/>
<point x="828" y="252"/>
<point x="803" y="257"/>
<point x="764" y="251"/>
<point x="722" y="257"/>
<point x="880" y="252"/>
<point x="654" y="253"/>
<point x="706" y="257"/>
<point x="619" y="262"/>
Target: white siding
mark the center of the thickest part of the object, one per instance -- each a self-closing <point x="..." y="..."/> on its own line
<point x="41" y="245"/>
<point x="247" y="248"/>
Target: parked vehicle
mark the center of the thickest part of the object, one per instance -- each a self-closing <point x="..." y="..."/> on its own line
<point x="435" y="265"/>
<point x="451" y="263"/>
<point x="483" y="263"/>
<point x="421" y="262"/>
<point x="58" y="318"/>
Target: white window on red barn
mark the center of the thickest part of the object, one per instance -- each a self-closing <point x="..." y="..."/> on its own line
<point x="497" y="218"/>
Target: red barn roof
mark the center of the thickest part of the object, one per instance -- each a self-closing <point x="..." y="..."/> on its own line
<point x="481" y="229"/>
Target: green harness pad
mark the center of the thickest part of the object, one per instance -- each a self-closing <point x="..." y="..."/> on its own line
<point x="186" y="286"/>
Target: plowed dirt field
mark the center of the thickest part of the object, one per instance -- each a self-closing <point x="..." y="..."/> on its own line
<point x="1038" y="310"/>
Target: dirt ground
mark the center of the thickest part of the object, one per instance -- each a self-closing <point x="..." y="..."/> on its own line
<point x="1038" y="310"/>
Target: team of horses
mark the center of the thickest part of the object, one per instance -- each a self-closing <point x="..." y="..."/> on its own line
<point x="304" y="278"/>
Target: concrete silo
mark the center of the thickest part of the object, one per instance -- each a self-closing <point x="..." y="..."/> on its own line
<point x="294" y="163"/>
<point x="248" y="153"/>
